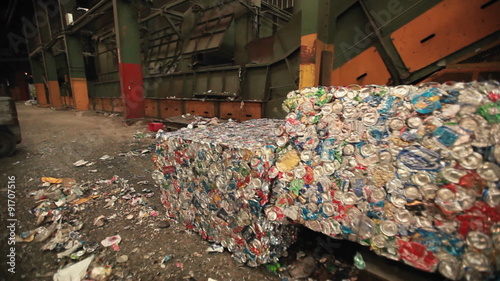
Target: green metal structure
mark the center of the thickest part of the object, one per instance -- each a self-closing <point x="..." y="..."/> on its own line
<point x="242" y="51"/>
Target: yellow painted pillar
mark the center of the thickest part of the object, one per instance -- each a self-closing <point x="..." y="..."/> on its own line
<point x="307" y="60"/>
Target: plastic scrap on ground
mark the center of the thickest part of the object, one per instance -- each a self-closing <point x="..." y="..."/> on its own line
<point x="74" y="272"/>
<point x="58" y="203"/>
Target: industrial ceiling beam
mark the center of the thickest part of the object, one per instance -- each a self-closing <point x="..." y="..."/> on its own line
<point x="167" y="8"/>
<point x="387" y="50"/>
<point x="96" y="11"/>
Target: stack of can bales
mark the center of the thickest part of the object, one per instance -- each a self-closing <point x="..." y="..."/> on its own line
<point x="412" y="172"/>
<point x="215" y="181"/>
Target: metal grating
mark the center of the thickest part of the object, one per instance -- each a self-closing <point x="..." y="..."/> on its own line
<point x="281" y="4"/>
<point x="490" y="55"/>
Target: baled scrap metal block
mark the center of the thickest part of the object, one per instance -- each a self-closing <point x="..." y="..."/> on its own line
<point x="215" y="181"/>
<point x="410" y="171"/>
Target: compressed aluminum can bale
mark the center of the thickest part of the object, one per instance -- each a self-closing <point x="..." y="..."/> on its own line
<point x="411" y="171"/>
<point x="215" y="181"/>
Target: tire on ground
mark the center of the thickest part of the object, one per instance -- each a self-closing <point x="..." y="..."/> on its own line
<point x="7" y="144"/>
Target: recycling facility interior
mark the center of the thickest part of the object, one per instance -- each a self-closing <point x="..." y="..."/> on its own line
<point x="238" y="59"/>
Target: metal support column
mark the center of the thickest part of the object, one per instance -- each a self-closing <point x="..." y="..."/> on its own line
<point x="37" y="73"/>
<point x="129" y="58"/>
<point x="52" y="82"/>
<point x="49" y="62"/>
<point x="76" y="65"/>
<point x="77" y="76"/>
<point x="243" y="25"/>
<point x="308" y="40"/>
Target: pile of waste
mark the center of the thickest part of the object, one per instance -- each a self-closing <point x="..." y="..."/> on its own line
<point x="60" y="203"/>
<point x="216" y="181"/>
<point x="410" y="171"/>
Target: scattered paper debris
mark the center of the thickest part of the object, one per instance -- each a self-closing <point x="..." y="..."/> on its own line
<point x="122" y="259"/>
<point x="215" y="248"/>
<point x="80" y="163"/>
<point x="111" y="240"/>
<point x="74" y="272"/>
<point x="51" y="180"/>
<point x="106" y="157"/>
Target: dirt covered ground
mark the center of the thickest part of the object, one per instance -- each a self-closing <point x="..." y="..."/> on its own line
<point x="120" y="194"/>
<point x="112" y="194"/>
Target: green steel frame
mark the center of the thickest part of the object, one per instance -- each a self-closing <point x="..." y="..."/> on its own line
<point x="251" y="53"/>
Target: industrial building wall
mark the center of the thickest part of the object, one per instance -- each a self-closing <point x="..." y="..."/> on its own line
<point x="399" y="42"/>
<point x="239" y="59"/>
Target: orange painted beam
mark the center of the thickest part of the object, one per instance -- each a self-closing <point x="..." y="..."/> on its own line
<point x="106" y="105"/>
<point x="239" y="111"/>
<point x="151" y="107"/>
<point x="201" y="108"/>
<point x="41" y="95"/>
<point x="464" y="72"/>
<point x="80" y="93"/>
<point x="447" y="27"/>
<point x="54" y="93"/>
<point x="365" y="68"/>
<point x="117" y="105"/>
<point x="169" y="108"/>
<point x="97" y="103"/>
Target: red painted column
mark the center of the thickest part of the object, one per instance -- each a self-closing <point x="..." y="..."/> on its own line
<point x="129" y="58"/>
<point x="131" y="83"/>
